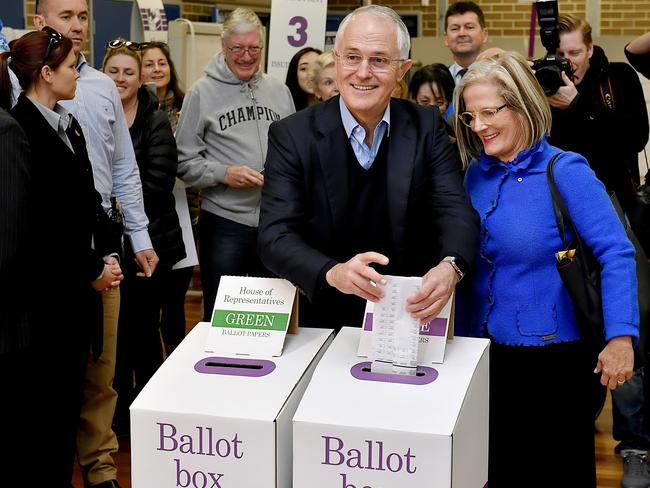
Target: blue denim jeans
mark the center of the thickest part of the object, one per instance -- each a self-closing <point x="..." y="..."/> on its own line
<point x="226" y="248"/>
<point x="629" y="426"/>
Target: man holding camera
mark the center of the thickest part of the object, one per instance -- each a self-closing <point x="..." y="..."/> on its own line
<point x="601" y="114"/>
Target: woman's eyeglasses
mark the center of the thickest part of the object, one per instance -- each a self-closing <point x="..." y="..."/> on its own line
<point x="54" y="38"/>
<point x="486" y="115"/>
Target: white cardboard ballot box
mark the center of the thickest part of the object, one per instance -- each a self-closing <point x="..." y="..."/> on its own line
<point x="214" y="422"/>
<point x="357" y="429"/>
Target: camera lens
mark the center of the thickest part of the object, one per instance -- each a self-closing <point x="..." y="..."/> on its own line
<point x="550" y="77"/>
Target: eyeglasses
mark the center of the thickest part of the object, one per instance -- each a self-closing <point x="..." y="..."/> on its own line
<point x="377" y="64"/>
<point x="133" y="46"/>
<point x="240" y="50"/>
<point x="486" y="115"/>
<point x="54" y="39"/>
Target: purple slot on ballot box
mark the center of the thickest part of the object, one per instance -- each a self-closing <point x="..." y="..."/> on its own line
<point x="425" y="375"/>
<point x="437" y="327"/>
<point x="235" y="366"/>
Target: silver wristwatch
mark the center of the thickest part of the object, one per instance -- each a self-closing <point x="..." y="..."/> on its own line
<point x="452" y="260"/>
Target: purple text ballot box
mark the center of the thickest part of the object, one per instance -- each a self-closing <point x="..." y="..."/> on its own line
<point x="205" y="420"/>
<point x="357" y="429"/>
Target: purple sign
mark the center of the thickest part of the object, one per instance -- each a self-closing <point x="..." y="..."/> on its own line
<point x="434" y="328"/>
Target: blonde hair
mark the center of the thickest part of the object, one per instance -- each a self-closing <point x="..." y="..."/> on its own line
<point x="315" y="68"/>
<point x="242" y="20"/>
<point x="569" y="23"/>
<point x="110" y="52"/>
<point x="520" y="90"/>
<point x="403" y="90"/>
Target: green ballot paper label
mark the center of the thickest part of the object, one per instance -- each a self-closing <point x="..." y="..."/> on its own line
<point x="250" y="320"/>
<point x="251" y="316"/>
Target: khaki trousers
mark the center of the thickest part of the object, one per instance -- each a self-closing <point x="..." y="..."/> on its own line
<point x="96" y="440"/>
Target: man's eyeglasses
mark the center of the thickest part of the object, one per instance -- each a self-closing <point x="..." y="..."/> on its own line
<point x="377" y="64"/>
<point x="54" y="39"/>
<point x="240" y="50"/>
<point x="486" y="115"/>
<point x="132" y="46"/>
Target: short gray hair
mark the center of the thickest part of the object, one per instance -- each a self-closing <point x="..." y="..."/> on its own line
<point x="403" y="37"/>
<point x="242" y="20"/>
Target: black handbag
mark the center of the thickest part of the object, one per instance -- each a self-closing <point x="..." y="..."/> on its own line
<point x="581" y="277"/>
<point x="580" y="273"/>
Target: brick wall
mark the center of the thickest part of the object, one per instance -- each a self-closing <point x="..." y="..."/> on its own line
<point x="624" y="17"/>
<point x="197" y="10"/>
<point x="509" y="18"/>
<point x="30" y="6"/>
<point x="504" y="17"/>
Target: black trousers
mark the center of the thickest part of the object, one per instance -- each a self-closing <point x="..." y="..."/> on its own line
<point x="172" y="318"/>
<point x="541" y="416"/>
<point x="226" y="248"/>
<point x="42" y="390"/>
<point x="139" y="346"/>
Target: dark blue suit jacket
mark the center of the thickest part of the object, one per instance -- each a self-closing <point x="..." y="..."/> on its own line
<point x="305" y="198"/>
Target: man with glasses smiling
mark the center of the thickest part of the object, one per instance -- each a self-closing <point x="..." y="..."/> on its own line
<point x="363" y="184"/>
<point x="222" y="140"/>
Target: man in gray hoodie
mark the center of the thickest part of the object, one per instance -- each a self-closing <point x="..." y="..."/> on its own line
<point x="222" y="143"/>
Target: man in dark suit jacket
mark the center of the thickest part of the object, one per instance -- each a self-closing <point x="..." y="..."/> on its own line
<point x="18" y="370"/>
<point x="14" y="181"/>
<point x="362" y="181"/>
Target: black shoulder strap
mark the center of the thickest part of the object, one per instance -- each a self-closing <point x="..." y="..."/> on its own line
<point x="559" y="208"/>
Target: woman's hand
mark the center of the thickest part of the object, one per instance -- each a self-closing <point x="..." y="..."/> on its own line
<point x="616" y="362"/>
<point x="111" y="276"/>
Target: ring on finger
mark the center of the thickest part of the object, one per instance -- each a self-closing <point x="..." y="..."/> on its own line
<point x="620" y="381"/>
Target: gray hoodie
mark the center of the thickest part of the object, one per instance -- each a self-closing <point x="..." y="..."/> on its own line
<point x="225" y="122"/>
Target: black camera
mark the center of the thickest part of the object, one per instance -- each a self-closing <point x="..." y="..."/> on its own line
<point x="548" y="70"/>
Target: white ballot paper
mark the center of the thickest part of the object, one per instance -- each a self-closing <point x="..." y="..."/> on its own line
<point x="395" y="336"/>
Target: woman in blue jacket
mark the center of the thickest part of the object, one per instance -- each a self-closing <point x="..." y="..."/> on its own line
<point x="540" y="371"/>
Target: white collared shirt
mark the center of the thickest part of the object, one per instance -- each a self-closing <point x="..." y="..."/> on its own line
<point x="455" y="69"/>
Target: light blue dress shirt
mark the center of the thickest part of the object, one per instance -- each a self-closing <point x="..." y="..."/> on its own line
<point x="98" y="109"/>
<point x="357" y="135"/>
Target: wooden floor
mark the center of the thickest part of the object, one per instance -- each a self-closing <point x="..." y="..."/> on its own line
<point x="608" y="465"/>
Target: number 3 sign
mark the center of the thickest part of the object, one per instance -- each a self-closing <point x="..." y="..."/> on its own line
<point x="290" y="32"/>
<point x="300" y="37"/>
